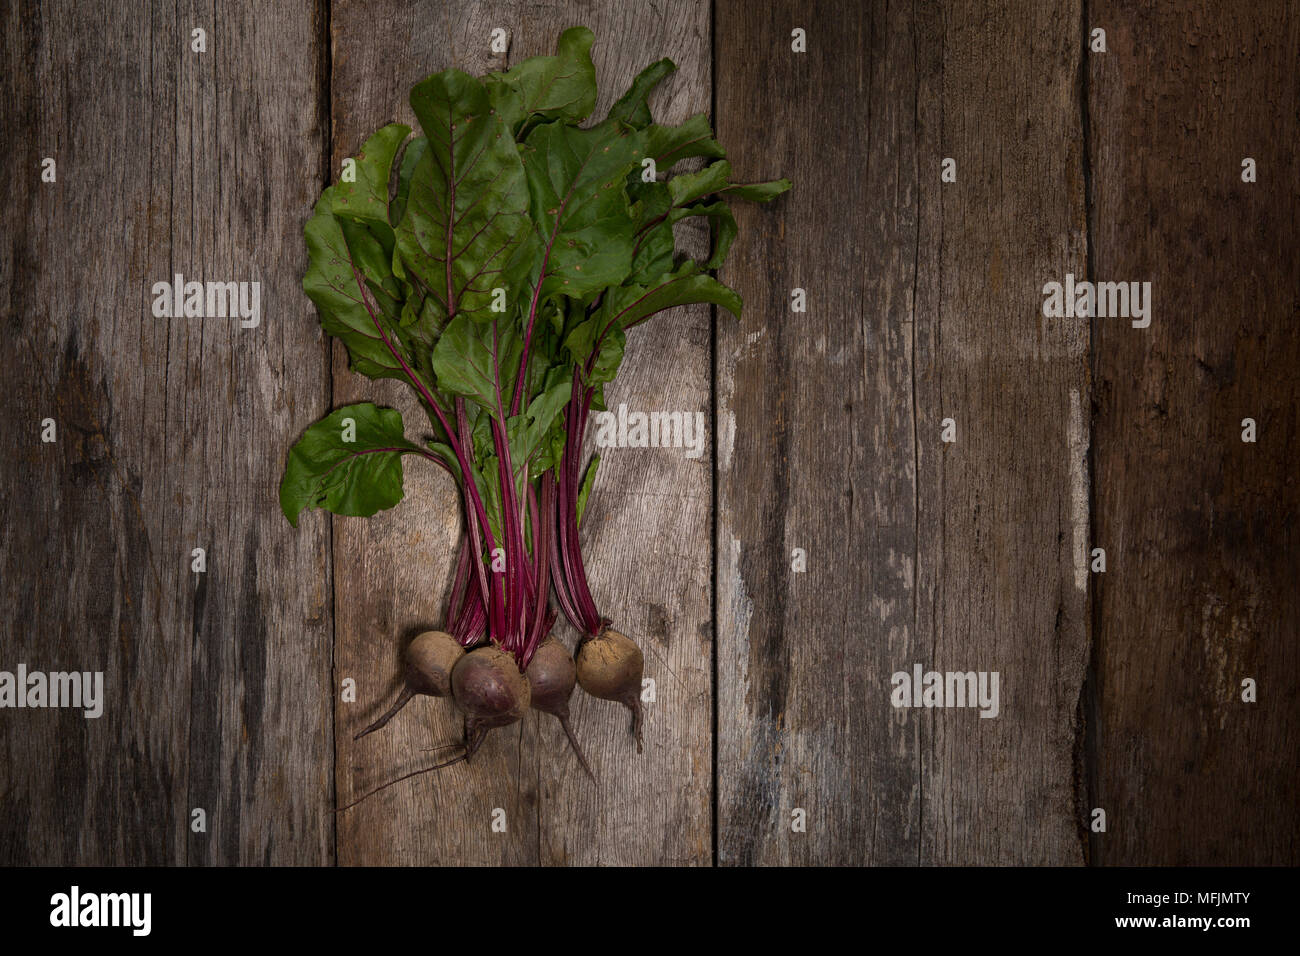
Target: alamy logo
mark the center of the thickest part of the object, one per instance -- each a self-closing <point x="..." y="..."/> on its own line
<point x="208" y="300"/>
<point x="84" y="689"/>
<point x="1084" y="300"/>
<point x="653" y="430"/>
<point x="75" y="908"/>
<point x="923" y="688"/>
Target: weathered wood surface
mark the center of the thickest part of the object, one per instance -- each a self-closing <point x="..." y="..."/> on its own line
<point x="923" y="304"/>
<point x="1118" y="690"/>
<point x="647" y="533"/>
<point x="171" y="434"/>
<point x="1002" y="572"/>
<point x="1200" y="527"/>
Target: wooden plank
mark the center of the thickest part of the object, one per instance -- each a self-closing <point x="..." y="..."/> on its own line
<point x="647" y="527"/>
<point x="647" y="536"/>
<point x="1199" y="527"/>
<point x="808" y="406"/>
<point x="924" y="304"/>
<point x="392" y="572"/>
<point x="1003" y="581"/>
<point x="171" y="435"/>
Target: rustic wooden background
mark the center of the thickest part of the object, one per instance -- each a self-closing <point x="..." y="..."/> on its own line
<point x="1119" y="690"/>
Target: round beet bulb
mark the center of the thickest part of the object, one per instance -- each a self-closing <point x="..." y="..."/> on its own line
<point x="609" y="667"/>
<point x="429" y="662"/>
<point x="489" y="689"/>
<point x="551" y="676"/>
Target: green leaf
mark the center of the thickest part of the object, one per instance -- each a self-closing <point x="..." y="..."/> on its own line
<point x="560" y="87"/>
<point x="627" y="306"/>
<point x="488" y="481"/>
<point x="655" y="241"/>
<point x="588" y="479"/>
<point x="366" y="252"/>
<point x="349" y="274"/>
<point x="481" y="431"/>
<point x="415" y="150"/>
<point x="687" y="187"/>
<point x="723" y="222"/>
<point x="631" y="107"/>
<point x="579" y="205"/>
<point x="357" y="477"/>
<point x="758" y="192"/>
<point x="540" y="419"/>
<point x="366" y="198"/>
<point x="582" y="341"/>
<point x="466" y="213"/>
<point x="463" y="360"/>
<point x="348" y="307"/>
<point x="669" y="144"/>
<point x="448" y="456"/>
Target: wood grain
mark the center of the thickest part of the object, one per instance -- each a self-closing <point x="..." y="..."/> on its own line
<point x="815" y="443"/>
<point x="1199" y="526"/>
<point x="646" y="534"/>
<point x="1118" y="690"/>
<point x="392" y="571"/>
<point x="923" y="305"/>
<point x="1002" y="573"/>
<point x="171" y="436"/>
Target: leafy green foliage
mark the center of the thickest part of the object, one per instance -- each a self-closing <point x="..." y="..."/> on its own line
<point x="466" y="212"/>
<point x="515" y="253"/>
<point x="631" y="107"/>
<point x="349" y="462"/>
<point x="560" y="87"/>
<point x="365" y="198"/>
<point x="630" y="305"/>
<point x="467" y="358"/>
<point x="528" y="442"/>
<point x="579" y="205"/>
<point x="584" y="489"/>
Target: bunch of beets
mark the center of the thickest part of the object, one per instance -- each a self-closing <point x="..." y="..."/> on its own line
<point x="494" y="264"/>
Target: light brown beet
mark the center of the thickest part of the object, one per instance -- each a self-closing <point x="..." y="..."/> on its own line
<point x="551" y="676"/>
<point x="609" y="666"/>
<point x="429" y="662"/>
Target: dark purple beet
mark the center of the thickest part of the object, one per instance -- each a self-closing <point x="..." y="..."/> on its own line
<point x="488" y="687"/>
<point x="551" y="677"/>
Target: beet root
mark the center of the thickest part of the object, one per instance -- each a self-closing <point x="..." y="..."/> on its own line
<point x="489" y="689"/>
<point x="429" y="659"/>
<point x="406" y="776"/>
<point x="609" y="666"/>
<point x="551" y="676"/>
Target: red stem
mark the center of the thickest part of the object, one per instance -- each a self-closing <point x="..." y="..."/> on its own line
<point x="487" y="587"/>
<point x="542" y="549"/>
<point x="579" y="606"/>
<point x="551" y="516"/>
<point x="471" y="490"/>
<point x="460" y="587"/>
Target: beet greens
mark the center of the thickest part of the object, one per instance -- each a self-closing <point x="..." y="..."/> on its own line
<point x="494" y="262"/>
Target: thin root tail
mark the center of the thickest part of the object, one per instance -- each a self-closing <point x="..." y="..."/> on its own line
<point x="408" y="776"/>
<point x="633" y="703"/>
<point x="403" y="699"/>
<point x="473" y="739"/>
<point x="577" y="751"/>
<point x="434" y="750"/>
